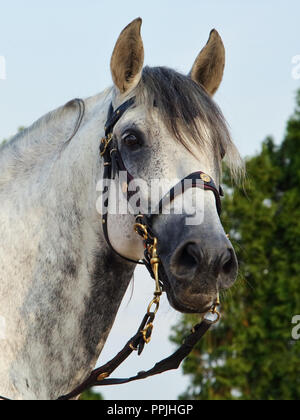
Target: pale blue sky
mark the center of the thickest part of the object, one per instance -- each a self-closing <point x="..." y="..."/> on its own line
<point x="60" y="49"/>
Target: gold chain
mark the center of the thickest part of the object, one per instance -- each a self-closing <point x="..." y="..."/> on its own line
<point x="151" y="244"/>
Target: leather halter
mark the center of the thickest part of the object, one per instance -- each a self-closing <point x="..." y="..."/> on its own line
<point x="113" y="164"/>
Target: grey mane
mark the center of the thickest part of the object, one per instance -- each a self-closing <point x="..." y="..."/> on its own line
<point x="189" y="113"/>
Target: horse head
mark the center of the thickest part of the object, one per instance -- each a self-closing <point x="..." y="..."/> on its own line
<point x="166" y="127"/>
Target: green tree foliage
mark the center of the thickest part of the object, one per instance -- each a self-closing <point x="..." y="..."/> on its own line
<point x="90" y="395"/>
<point x="251" y="353"/>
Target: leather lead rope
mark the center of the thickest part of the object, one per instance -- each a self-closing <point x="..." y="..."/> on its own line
<point x="99" y="377"/>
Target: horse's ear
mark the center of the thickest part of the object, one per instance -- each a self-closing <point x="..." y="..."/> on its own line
<point x="128" y="57"/>
<point x="209" y="66"/>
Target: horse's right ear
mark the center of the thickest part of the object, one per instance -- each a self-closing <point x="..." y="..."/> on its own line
<point x="128" y="58"/>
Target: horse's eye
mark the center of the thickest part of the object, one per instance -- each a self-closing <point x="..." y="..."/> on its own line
<point x="131" y="140"/>
<point x="223" y="153"/>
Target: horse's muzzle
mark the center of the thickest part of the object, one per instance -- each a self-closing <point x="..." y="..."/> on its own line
<point x="192" y="259"/>
<point x="197" y="270"/>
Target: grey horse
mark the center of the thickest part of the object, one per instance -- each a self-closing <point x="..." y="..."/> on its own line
<point x="61" y="284"/>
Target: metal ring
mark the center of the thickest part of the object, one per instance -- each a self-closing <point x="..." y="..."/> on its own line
<point x="132" y="347"/>
<point x="113" y="151"/>
<point x="156" y="302"/>
<point x="144" y="332"/>
<point x="213" y="311"/>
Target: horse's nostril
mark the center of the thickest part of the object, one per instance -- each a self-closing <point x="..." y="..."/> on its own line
<point x="186" y="260"/>
<point x="188" y="257"/>
<point x="191" y="261"/>
<point x="229" y="262"/>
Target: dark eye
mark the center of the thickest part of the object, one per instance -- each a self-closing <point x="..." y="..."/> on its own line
<point x="223" y="152"/>
<point x="132" y="139"/>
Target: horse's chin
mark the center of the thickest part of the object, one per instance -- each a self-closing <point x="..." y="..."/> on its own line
<point x="182" y="300"/>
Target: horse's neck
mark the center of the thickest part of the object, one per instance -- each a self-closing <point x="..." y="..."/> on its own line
<point x="60" y="285"/>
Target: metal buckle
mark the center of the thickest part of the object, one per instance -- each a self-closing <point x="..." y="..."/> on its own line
<point x="103" y="376"/>
<point x="106" y="141"/>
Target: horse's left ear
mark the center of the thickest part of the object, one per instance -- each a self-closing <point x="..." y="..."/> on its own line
<point x="128" y="58"/>
<point x="208" y="68"/>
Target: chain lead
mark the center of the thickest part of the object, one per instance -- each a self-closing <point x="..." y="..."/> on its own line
<point x="151" y="247"/>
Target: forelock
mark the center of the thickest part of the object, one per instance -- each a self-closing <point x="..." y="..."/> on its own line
<point x="189" y="113"/>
